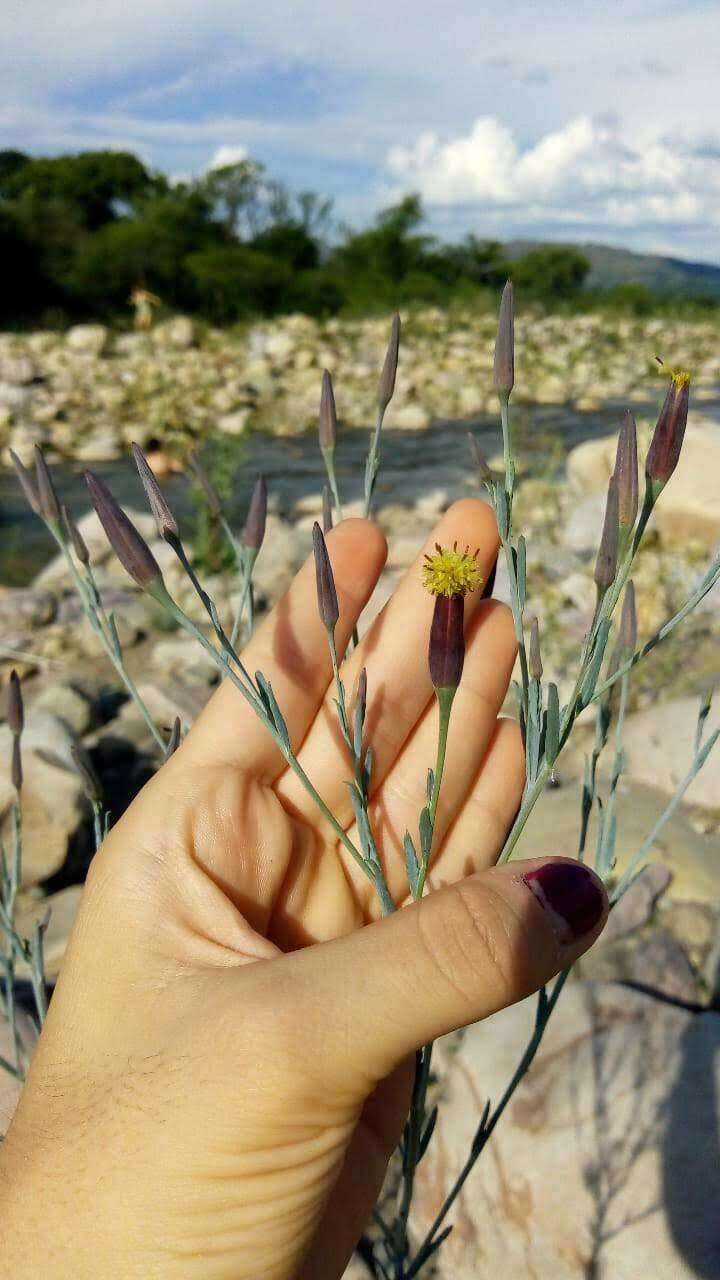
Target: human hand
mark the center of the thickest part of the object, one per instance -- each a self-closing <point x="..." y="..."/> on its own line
<point x="224" y="1070"/>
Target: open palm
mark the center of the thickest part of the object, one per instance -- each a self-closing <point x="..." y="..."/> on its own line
<point x="221" y="865"/>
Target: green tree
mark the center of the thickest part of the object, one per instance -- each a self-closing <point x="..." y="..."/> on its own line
<point x="551" y="273"/>
<point x="233" y="280"/>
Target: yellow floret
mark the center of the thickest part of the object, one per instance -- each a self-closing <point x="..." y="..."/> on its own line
<point x="451" y="573"/>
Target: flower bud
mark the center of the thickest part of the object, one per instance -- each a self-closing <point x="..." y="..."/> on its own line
<point x="75" y="537"/>
<point x="667" y="440"/>
<point x="211" y="494"/>
<point x="327" y="420"/>
<point x="504" y="366"/>
<point x="15" y="709"/>
<point x="479" y="459"/>
<point x="49" y="505"/>
<point x="626" y="472"/>
<point x="27" y="483"/>
<point x="446" y="654"/>
<point x="326" y="593"/>
<point x="254" y="530"/>
<point x="386" y="386"/>
<point x="327" y="509"/>
<point x="164" y="518"/>
<point x="535" y="666"/>
<point x="130" y="548"/>
<point x="606" y="563"/>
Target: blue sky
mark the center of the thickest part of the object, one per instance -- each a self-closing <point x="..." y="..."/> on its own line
<point x="560" y="120"/>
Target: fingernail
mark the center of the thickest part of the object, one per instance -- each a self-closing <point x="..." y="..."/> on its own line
<point x="571" y="895"/>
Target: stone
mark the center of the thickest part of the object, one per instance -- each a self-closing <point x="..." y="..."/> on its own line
<point x="636" y="907"/>
<point x="688" y="506"/>
<point x="283" y="551"/>
<point x="408" y="417"/>
<point x="90" y="339"/>
<point x="590" y="464"/>
<point x="62" y="907"/>
<point x="553" y="827"/>
<point x="234" y="424"/>
<point x="103" y="445"/>
<point x="55" y="572"/>
<point x="583" y="528"/>
<point x="177" y="333"/>
<point x="278" y="346"/>
<point x="18" y="370"/>
<point x="68" y="704"/>
<point x="606" y="1157"/>
<point x="579" y="590"/>
<point x="26" y="607"/>
<point x="184" y="659"/>
<point x="52" y="797"/>
<point x="658" y="745"/>
<point x="657" y="962"/>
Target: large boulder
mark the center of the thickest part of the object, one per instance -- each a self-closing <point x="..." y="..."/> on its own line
<point x="605" y="1162"/>
<point x="658" y="745"/>
<point x="52" y="796"/>
<point x="688" y="508"/>
<point x="89" y="339"/>
<point x="554" y="825"/>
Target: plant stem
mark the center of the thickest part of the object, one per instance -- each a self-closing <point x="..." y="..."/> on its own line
<point x="545" y="1008"/>
<point x="329" y="460"/>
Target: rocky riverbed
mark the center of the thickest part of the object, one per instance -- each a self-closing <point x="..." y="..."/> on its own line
<point x="85" y="395"/>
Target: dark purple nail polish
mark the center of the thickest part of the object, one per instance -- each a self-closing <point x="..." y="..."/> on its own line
<point x="571" y="895"/>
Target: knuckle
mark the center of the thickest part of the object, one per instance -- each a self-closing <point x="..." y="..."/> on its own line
<point x="471" y="942"/>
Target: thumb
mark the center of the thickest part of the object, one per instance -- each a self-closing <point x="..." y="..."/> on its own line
<point x="455" y="957"/>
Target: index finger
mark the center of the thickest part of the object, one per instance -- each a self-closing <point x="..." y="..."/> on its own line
<point x="291" y="650"/>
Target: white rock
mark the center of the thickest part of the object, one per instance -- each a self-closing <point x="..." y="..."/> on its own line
<point x="658" y="745"/>
<point x="92" y="339"/>
<point x="179" y="333"/>
<point x="408" y="417"/>
<point x="602" y="1162"/>
<point x="584" y="526"/>
<point x="234" y="424"/>
<point x="51" y="798"/>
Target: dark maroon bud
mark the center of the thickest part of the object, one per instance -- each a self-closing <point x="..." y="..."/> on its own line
<point x="571" y="894"/>
<point x="28" y="484"/>
<point x="327" y="509"/>
<point x="504" y="365"/>
<point x="386" y="386"/>
<point x="326" y="593"/>
<point x="164" y="518"/>
<point x="49" y="505"/>
<point x="479" y="458"/>
<point x="254" y="530"/>
<point x="626" y="472"/>
<point x="75" y="537"/>
<point x="446" y="653"/>
<point x="15" y="710"/>
<point x="130" y="548"/>
<point x="211" y="494"/>
<point x="327" y="420"/>
<point x="535" y="666"/>
<point x="669" y="434"/>
<point x="606" y="563"/>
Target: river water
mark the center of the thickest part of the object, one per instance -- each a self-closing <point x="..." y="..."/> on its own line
<point x="412" y="463"/>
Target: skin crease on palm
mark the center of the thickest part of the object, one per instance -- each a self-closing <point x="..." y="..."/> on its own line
<point x="212" y="1096"/>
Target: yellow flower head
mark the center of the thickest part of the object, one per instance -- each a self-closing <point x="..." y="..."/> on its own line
<point x="679" y="377"/>
<point x="451" y="573"/>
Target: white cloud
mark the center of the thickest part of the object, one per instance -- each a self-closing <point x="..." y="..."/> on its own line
<point x="585" y="172"/>
<point x="227" y="154"/>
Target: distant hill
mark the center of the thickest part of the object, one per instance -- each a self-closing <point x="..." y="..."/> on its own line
<point x="610" y="266"/>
